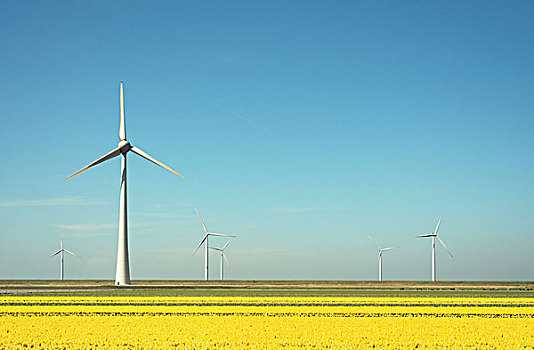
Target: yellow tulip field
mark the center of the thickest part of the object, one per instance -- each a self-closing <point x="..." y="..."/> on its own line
<point x="266" y="323"/>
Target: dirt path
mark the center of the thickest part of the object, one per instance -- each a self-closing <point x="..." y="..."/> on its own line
<point x="28" y="286"/>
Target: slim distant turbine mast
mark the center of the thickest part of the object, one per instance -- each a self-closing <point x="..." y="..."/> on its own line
<point x="206" y="247"/>
<point x="434" y="236"/>
<point x="122" y="276"/>
<point x="380" y="250"/>
<point x="223" y="256"/>
<point x="61" y="263"/>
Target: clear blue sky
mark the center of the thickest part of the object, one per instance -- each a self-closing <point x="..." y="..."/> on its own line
<point x="300" y="127"/>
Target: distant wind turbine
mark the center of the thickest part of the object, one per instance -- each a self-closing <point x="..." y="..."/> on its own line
<point x="61" y="251"/>
<point x="122" y="276"/>
<point x="205" y="239"/>
<point x="221" y="250"/>
<point x="434" y="236"/>
<point x="380" y="250"/>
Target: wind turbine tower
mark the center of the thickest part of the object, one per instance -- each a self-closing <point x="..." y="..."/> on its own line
<point x="61" y="264"/>
<point x="221" y="250"/>
<point x="380" y="250"/>
<point x="206" y="247"/>
<point x="122" y="275"/>
<point x="434" y="236"/>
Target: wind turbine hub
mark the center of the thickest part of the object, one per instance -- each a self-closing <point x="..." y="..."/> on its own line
<point x="124" y="146"/>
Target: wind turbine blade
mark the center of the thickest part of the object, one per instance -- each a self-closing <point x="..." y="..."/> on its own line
<point x="372" y="240"/>
<point x="423" y="236"/>
<point x="443" y="244"/>
<point x="61" y="241"/>
<point x="219" y="234"/>
<point x="218" y="249"/>
<point x="56" y="253"/>
<point x="203" y="239"/>
<point x="224" y="256"/>
<point x="110" y="155"/>
<point x="437" y="226"/>
<point x="153" y="160"/>
<point x="226" y="245"/>
<point x="201" y="221"/>
<point x="71" y="253"/>
<point x="122" y="125"/>
<point x="389" y="248"/>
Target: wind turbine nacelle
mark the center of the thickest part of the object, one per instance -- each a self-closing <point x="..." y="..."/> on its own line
<point x="124" y="146"/>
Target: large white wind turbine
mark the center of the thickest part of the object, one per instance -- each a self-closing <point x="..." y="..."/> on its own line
<point x="380" y="250"/>
<point x="61" y="251"/>
<point x="122" y="276"/>
<point x="221" y="250"/>
<point x="434" y="236"/>
<point x="205" y="239"/>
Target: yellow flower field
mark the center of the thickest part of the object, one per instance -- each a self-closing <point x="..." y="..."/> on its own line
<point x="266" y="323"/>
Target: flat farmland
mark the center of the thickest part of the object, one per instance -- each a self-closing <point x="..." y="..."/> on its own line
<point x="266" y="315"/>
<point x="265" y="322"/>
<point x="267" y="288"/>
